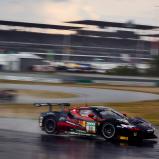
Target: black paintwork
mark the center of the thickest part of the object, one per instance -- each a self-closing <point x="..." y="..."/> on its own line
<point x="146" y="129"/>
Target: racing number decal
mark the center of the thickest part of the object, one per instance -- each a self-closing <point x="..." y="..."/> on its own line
<point x="91" y="127"/>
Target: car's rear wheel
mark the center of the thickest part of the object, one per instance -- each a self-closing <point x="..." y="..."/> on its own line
<point x="50" y="125"/>
<point x="108" y="131"/>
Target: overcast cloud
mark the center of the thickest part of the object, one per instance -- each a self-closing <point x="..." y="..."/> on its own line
<point x="57" y="11"/>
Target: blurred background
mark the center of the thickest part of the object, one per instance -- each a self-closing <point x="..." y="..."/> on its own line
<point x="85" y="46"/>
<point x="69" y="40"/>
<point x="109" y="48"/>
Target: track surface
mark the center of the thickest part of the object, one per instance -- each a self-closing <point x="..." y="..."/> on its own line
<point x="21" y="143"/>
<point x="85" y="94"/>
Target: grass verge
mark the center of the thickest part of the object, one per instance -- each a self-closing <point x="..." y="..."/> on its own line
<point x="46" y="94"/>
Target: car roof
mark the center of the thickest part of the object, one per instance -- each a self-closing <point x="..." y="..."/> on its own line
<point x="95" y="107"/>
<point x="101" y="107"/>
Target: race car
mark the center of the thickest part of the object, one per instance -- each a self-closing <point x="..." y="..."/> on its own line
<point x="94" y="120"/>
<point x="8" y="95"/>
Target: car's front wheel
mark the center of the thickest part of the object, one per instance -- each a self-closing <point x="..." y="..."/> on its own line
<point x="50" y="125"/>
<point x="108" y="131"/>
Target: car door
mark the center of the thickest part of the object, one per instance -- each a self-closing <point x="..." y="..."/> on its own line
<point x="87" y="122"/>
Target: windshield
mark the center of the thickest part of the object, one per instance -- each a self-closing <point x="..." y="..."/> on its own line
<point x="107" y="114"/>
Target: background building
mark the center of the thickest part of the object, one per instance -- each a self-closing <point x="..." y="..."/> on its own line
<point x="106" y="42"/>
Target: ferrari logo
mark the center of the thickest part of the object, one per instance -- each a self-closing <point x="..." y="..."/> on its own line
<point x="82" y="123"/>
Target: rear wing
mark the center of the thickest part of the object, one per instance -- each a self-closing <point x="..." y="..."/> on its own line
<point x="50" y="105"/>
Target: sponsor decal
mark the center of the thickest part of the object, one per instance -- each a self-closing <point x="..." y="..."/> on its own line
<point x="123" y="138"/>
<point x="71" y="123"/>
<point x="82" y="123"/>
<point x="91" y="127"/>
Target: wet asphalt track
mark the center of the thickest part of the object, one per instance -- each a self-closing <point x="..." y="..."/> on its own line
<point x="84" y="94"/>
<point x="21" y="143"/>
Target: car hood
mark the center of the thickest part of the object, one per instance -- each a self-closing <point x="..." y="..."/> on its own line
<point x="141" y="123"/>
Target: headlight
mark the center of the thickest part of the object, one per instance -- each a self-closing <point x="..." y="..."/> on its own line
<point x="124" y="121"/>
<point x="130" y="127"/>
<point x="40" y="119"/>
<point x="127" y="126"/>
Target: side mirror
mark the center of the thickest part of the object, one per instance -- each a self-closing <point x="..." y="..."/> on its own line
<point x="91" y="115"/>
<point x="125" y="114"/>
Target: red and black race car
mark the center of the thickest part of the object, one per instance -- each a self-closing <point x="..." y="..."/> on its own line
<point x="94" y="120"/>
<point x="8" y="95"/>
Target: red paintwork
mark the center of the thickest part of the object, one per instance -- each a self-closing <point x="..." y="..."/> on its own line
<point x="134" y="129"/>
<point x="75" y="112"/>
<point x="64" y="126"/>
<point x="74" y="123"/>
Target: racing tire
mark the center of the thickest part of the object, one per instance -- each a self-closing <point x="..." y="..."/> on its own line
<point x="108" y="131"/>
<point x="50" y="125"/>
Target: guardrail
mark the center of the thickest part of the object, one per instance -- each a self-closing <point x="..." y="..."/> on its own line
<point x="76" y="80"/>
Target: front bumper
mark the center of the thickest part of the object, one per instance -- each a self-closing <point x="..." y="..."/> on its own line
<point x="41" y="118"/>
<point x="127" y="134"/>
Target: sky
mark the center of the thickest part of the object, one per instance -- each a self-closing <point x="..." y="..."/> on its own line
<point x="57" y="11"/>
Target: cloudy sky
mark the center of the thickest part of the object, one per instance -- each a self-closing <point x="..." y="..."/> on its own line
<point x="56" y="11"/>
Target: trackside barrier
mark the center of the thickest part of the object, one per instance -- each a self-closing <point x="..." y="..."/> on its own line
<point x="83" y="81"/>
<point x="130" y="83"/>
<point x="157" y="84"/>
<point x="32" y="79"/>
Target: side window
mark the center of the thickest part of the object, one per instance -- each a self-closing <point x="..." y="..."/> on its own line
<point x="85" y="112"/>
<point x="70" y="116"/>
<point x="107" y="114"/>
